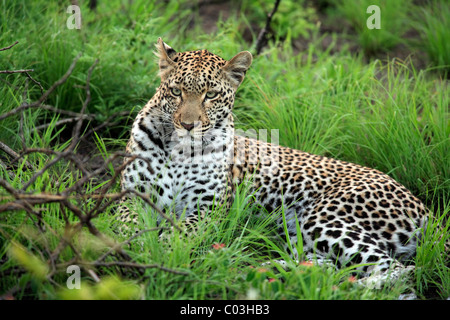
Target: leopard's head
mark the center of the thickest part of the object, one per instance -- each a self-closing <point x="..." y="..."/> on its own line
<point x="197" y="87"/>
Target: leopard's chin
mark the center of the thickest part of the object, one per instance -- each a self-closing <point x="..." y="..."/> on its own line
<point x="181" y="132"/>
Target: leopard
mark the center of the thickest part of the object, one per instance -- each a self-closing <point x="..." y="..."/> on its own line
<point x="188" y="158"/>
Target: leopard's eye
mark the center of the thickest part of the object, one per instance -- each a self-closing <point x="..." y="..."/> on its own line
<point x="211" y="94"/>
<point x="175" y="91"/>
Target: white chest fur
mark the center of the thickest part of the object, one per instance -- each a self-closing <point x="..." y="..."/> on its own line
<point x="186" y="170"/>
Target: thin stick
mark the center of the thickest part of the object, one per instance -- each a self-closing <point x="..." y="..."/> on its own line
<point x="134" y="265"/>
<point x="76" y="130"/>
<point x="265" y="30"/>
<point x="36" y="82"/>
<point x="16" y="71"/>
<point x="8" y="150"/>
<point x="45" y="107"/>
<point x="60" y="81"/>
<point x="120" y="245"/>
<point x="9" y="47"/>
<point x="57" y="123"/>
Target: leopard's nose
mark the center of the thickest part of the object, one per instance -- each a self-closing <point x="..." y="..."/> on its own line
<point x="189" y="126"/>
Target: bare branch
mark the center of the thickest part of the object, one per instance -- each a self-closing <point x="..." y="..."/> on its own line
<point x="26" y="71"/>
<point x="8" y="150"/>
<point x="39" y="102"/>
<point x="76" y="132"/>
<point x="260" y="42"/>
<point x="13" y="154"/>
<point x="58" y="82"/>
<point x="58" y="123"/>
<point x="16" y="71"/>
<point x="75" y="214"/>
<point x="36" y="82"/>
<point x="135" y="265"/>
<point x="9" y="47"/>
<point x="45" y="107"/>
<point x="126" y="242"/>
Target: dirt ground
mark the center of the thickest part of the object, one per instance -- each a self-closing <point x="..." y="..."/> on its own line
<point x="210" y="12"/>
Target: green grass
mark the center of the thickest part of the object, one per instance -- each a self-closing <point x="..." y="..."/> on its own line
<point x="393" y="22"/>
<point x="122" y="39"/>
<point x="398" y="22"/>
<point x="434" y="26"/>
<point x="388" y="116"/>
<point x="289" y="10"/>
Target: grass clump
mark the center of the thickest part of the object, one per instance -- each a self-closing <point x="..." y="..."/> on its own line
<point x="393" y="22"/>
<point x="434" y="26"/>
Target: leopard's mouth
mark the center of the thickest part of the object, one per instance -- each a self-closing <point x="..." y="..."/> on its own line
<point x="196" y="132"/>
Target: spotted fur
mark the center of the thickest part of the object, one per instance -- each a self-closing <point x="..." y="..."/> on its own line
<point x="346" y="212"/>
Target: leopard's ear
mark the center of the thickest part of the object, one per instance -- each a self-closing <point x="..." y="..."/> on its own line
<point x="236" y="68"/>
<point x="166" y="55"/>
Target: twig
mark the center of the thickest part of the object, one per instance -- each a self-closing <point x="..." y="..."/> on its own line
<point x="260" y="42"/>
<point x="76" y="132"/>
<point x="8" y="188"/>
<point x="14" y="155"/>
<point x="57" y="123"/>
<point x="26" y="71"/>
<point x="16" y="71"/>
<point x="5" y="168"/>
<point x="69" y="232"/>
<point x="36" y="82"/>
<point x="58" y="82"/>
<point x="21" y="135"/>
<point x="8" y="150"/>
<point x="70" y="156"/>
<point x="134" y="265"/>
<point x="72" y="200"/>
<point x="116" y="116"/>
<point x="40" y="172"/>
<point x="9" y="47"/>
<point x="126" y="242"/>
<point x="39" y="102"/>
<point x="45" y="107"/>
<point x="154" y="207"/>
<point x="42" y="198"/>
<point x="93" y="230"/>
